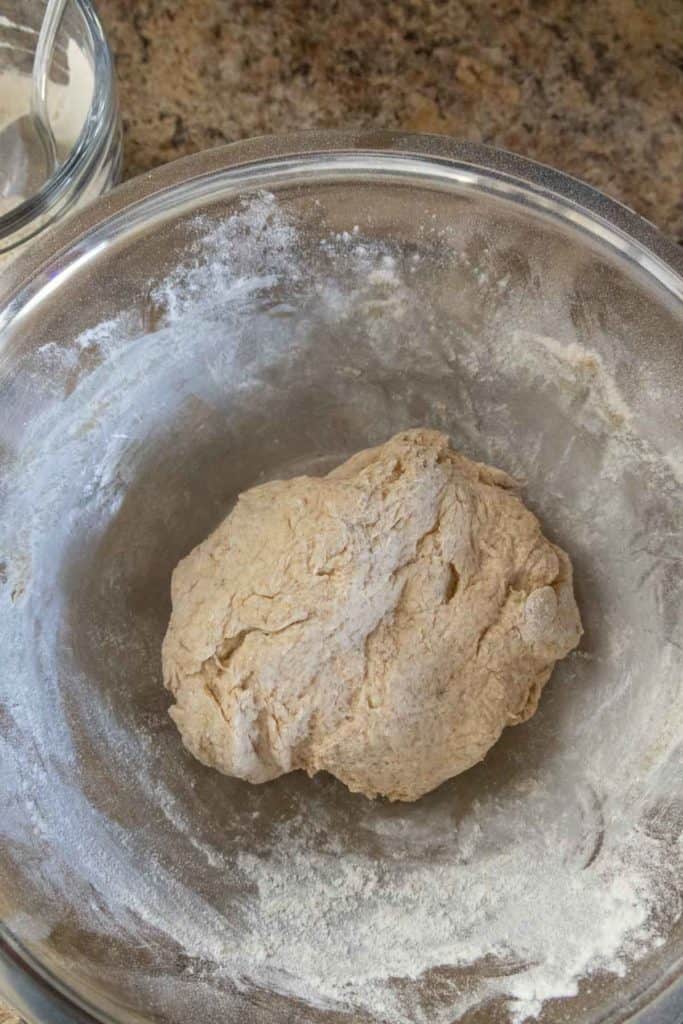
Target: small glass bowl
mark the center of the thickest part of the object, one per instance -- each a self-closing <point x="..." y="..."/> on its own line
<point x="92" y="164"/>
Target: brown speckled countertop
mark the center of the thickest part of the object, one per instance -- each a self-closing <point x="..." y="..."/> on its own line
<point x="592" y="87"/>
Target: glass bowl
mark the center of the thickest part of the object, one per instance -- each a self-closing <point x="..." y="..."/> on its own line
<point x="84" y="111"/>
<point x="264" y="310"/>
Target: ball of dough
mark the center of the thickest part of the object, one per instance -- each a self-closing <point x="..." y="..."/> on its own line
<point x="383" y="623"/>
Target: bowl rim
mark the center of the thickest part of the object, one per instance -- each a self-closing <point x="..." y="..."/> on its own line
<point x="85" y="154"/>
<point x="639" y="238"/>
<point x="43" y="996"/>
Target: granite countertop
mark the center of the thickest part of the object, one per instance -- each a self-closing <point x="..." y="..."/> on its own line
<point x="592" y="87"/>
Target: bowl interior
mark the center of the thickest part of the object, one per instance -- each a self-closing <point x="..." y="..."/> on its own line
<point x="271" y="326"/>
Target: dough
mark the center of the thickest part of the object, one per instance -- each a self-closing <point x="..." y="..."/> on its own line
<point x="383" y="623"/>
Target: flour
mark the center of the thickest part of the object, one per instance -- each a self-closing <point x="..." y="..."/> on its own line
<point x="548" y="871"/>
<point x="356" y="924"/>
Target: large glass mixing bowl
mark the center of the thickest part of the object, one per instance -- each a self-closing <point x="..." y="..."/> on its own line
<point x="267" y="309"/>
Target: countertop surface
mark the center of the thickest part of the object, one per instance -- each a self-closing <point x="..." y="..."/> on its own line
<point x="592" y="87"/>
